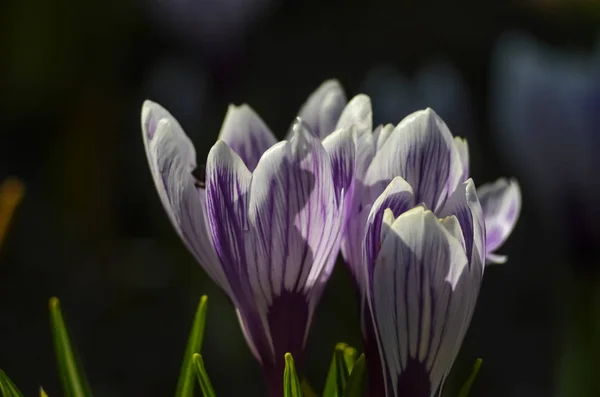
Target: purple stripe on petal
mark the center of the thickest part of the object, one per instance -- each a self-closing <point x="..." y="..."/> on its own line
<point x="398" y="197"/>
<point x="341" y="149"/>
<point x="246" y="133"/>
<point x="465" y="205"/>
<point x="421" y="150"/>
<point x="172" y="159"/>
<point x="227" y="188"/>
<point x="294" y="210"/>
<point x="359" y="114"/>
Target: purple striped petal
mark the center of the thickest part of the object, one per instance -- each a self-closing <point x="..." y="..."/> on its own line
<point x="421" y="150"/>
<point x="501" y="204"/>
<point x="397" y="197"/>
<point x="419" y="295"/>
<point x="276" y="232"/>
<point x="246" y="133"/>
<point x="358" y="115"/>
<point x="295" y="213"/>
<point x="172" y="159"/>
<point x="341" y="149"/>
<point x="227" y="190"/>
<point x="464" y="204"/>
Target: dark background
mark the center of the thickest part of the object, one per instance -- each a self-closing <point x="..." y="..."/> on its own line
<point x="91" y="230"/>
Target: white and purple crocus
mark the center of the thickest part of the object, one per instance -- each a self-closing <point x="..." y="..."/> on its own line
<point x="417" y="241"/>
<point x="267" y="220"/>
<point x="264" y="219"/>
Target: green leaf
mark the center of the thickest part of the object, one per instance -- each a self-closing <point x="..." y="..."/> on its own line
<point x="186" y="383"/>
<point x="350" y="356"/>
<point x="291" y="383"/>
<point x="338" y="373"/>
<point x="356" y="381"/>
<point x="203" y="380"/>
<point x="7" y="387"/>
<point x="466" y="388"/>
<point x="43" y="393"/>
<point x="72" y="376"/>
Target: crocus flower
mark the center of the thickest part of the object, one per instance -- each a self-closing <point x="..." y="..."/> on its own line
<point x="265" y="219"/>
<point x="423" y="277"/>
<point x="422" y="151"/>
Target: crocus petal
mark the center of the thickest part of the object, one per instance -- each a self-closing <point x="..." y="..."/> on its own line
<point x="501" y="204"/>
<point x="323" y="108"/>
<point x="294" y="209"/>
<point x="359" y="114"/>
<point x="398" y="198"/>
<point x="421" y="150"/>
<point x="464" y="204"/>
<point x="246" y="133"/>
<point x="463" y="151"/>
<point x="227" y="189"/>
<point x="416" y="298"/>
<point x="172" y="159"/>
<point x="341" y="149"/>
<point x="381" y="134"/>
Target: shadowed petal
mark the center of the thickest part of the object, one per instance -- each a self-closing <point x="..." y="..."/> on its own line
<point x="398" y="198"/>
<point x="246" y="133"/>
<point x="465" y="205"/>
<point x="172" y="159"/>
<point x="294" y="210"/>
<point x="416" y="298"/>
<point x="341" y="149"/>
<point x="323" y="108"/>
<point x="421" y="150"/>
<point x="501" y="204"/>
<point x="358" y="114"/>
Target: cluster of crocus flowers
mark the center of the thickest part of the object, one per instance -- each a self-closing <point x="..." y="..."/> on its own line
<point x="267" y="220"/>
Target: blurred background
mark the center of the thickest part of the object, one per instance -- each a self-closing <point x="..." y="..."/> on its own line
<point x="520" y="80"/>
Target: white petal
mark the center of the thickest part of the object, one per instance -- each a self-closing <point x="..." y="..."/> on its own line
<point x="323" y="108"/>
<point x="246" y="133"/>
<point x="172" y="159"/>
<point x="420" y="150"/>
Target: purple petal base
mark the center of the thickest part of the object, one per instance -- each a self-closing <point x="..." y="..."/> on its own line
<point x="288" y="319"/>
<point x="414" y="380"/>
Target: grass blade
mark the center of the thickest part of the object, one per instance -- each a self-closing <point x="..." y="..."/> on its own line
<point x="338" y="373"/>
<point x="186" y="382"/>
<point x="291" y="383"/>
<point x="356" y="381"/>
<point x="71" y="374"/>
<point x="466" y="388"/>
<point x="7" y="387"/>
<point x="203" y="380"/>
